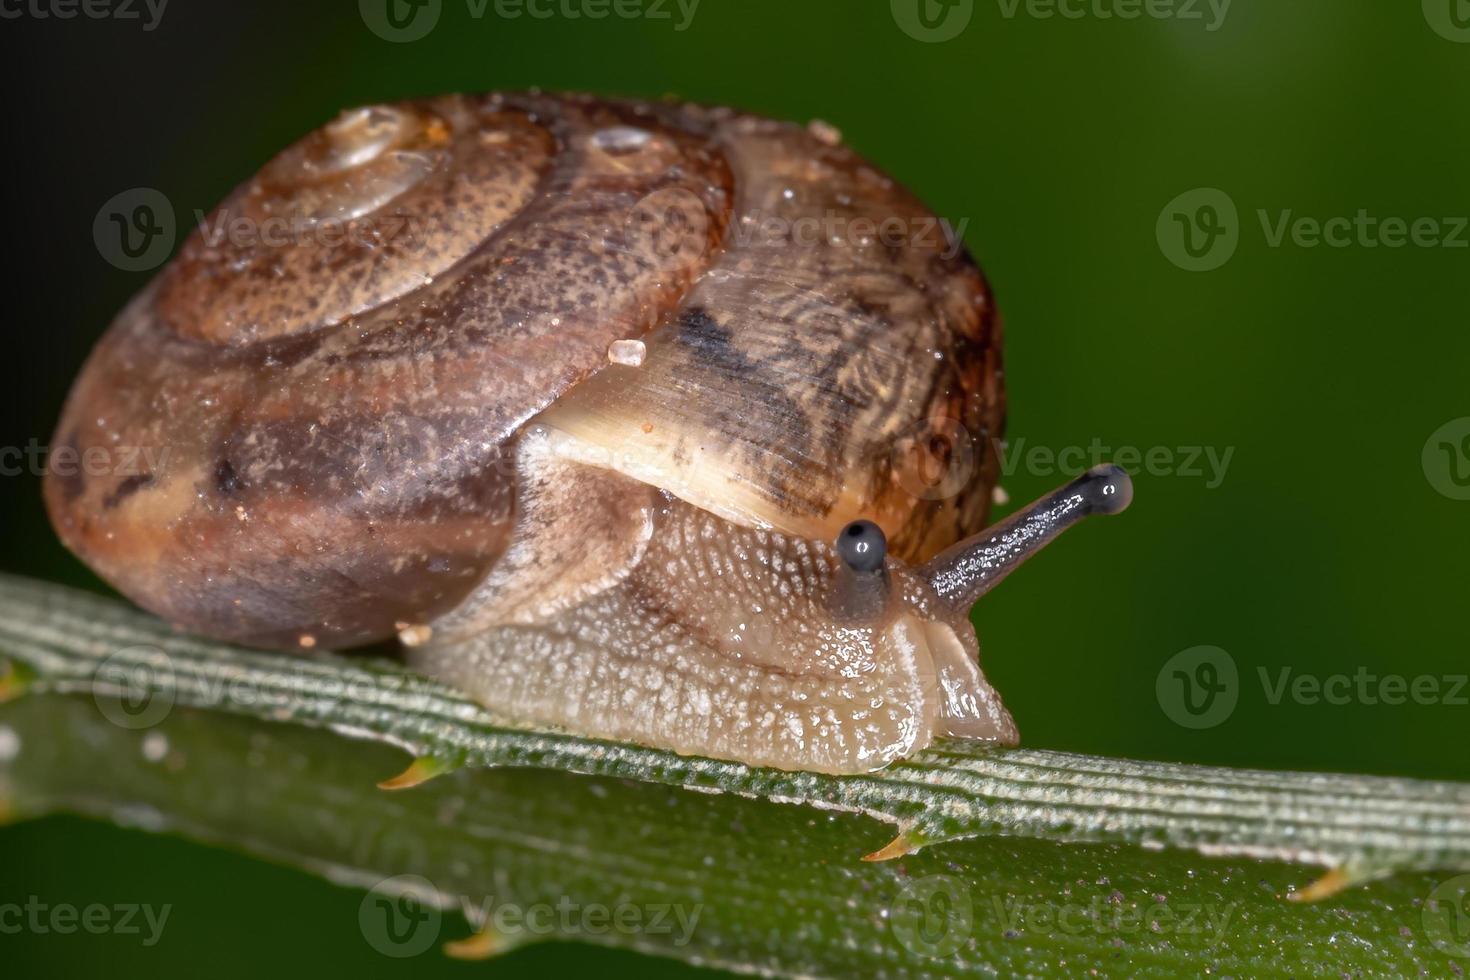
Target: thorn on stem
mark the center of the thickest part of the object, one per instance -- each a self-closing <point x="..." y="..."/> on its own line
<point x="904" y="843"/>
<point x="419" y="771"/>
<point x="1324" y="887"/>
<point x="479" y="945"/>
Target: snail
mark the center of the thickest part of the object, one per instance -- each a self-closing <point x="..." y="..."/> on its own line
<point x="553" y="389"/>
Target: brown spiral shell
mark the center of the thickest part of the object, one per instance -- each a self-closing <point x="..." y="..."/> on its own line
<point x="326" y="383"/>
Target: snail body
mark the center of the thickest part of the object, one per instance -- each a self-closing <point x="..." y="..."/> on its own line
<point x="569" y="410"/>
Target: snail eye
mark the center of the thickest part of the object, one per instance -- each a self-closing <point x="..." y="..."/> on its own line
<point x="862" y="546"/>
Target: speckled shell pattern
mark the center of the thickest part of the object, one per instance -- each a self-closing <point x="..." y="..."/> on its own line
<point x="326" y="384"/>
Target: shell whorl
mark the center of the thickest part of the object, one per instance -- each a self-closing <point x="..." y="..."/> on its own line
<point x="325" y="383"/>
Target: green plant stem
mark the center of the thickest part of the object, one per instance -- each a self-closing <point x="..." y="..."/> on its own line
<point x="538" y="814"/>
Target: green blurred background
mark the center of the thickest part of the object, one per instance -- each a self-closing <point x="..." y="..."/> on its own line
<point x="1328" y="546"/>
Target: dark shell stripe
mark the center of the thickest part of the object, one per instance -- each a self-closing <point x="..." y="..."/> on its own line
<point x="328" y="378"/>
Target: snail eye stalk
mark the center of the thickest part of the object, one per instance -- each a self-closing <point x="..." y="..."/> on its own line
<point x="860" y="592"/>
<point x="966" y="571"/>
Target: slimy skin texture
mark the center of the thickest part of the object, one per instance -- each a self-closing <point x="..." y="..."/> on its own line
<point x="672" y="627"/>
<point x="715" y="639"/>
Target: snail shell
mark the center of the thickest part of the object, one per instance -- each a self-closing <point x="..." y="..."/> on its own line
<point x="631" y="419"/>
<point x="332" y="412"/>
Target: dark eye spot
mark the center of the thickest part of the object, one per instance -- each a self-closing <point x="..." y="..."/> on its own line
<point x="862" y="546"/>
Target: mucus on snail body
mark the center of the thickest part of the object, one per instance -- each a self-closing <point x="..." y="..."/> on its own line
<point x="605" y="458"/>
